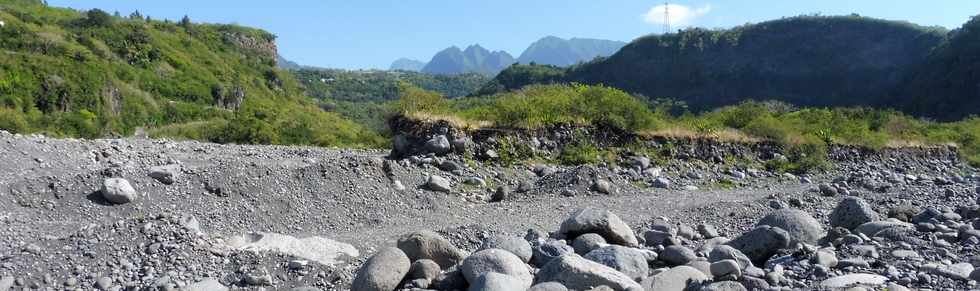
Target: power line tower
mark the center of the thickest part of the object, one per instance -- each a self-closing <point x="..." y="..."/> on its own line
<point x="666" y="17"/>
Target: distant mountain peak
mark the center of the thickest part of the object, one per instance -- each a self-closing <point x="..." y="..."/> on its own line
<point x="474" y="59"/>
<point x="553" y="50"/>
<point x="405" y="64"/>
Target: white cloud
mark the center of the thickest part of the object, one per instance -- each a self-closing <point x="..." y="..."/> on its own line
<point x="680" y="15"/>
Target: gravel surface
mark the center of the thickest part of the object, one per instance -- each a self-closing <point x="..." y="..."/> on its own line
<point x="185" y="226"/>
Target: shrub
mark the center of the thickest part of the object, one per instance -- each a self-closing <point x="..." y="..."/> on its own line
<point x="579" y="153"/>
<point x="13" y="120"/>
<point x="414" y="100"/>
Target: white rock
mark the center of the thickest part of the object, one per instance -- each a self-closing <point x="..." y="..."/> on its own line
<point x="322" y="250"/>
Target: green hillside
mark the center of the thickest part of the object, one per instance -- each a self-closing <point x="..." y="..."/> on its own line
<point x="947" y="86"/>
<point x="806" y="60"/>
<point x="91" y="74"/>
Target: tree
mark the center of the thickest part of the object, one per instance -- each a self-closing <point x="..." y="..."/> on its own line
<point x="185" y="22"/>
<point x="136" y="15"/>
<point x="97" y="17"/>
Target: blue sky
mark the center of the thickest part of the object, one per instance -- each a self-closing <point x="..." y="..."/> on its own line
<point x="372" y="33"/>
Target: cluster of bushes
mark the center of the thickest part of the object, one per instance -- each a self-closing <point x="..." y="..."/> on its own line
<point x="804" y="133"/>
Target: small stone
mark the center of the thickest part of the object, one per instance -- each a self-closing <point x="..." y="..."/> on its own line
<point x="602" y="186"/>
<point x="118" y="191"/>
<point x="167" y="174"/>
<point x="438" y="184"/>
<point x="501" y="194"/>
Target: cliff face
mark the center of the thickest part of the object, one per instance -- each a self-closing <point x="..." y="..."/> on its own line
<point x="262" y="46"/>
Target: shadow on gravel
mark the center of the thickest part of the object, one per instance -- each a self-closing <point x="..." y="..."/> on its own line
<point x="96" y="197"/>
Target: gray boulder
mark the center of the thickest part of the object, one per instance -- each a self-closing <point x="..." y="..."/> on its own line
<point x="631" y="262"/>
<point x="870" y="229"/>
<point x="726" y="252"/>
<point x="438" y="184"/>
<point x="450" y="166"/>
<point x="118" y="191"/>
<point x="548" y="286"/>
<point x="496" y="261"/>
<point x="438" y="145"/>
<point x="852" y="212"/>
<point x="801" y="227"/>
<point x="601" y="222"/>
<point x="726" y="268"/>
<point x="724" y="286"/>
<point x="549" y="250"/>
<point x="515" y="245"/>
<point x="677" y="255"/>
<point x="761" y="243"/>
<point x="424" y="269"/>
<point x="661" y="182"/>
<point x="382" y="272"/>
<point x="678" y="278"/>
<point x="655" y="237"/>
<point x="588" y="242"/>
<point x="206" y="285"/>
<point x="432" y="246"/>
<point x="496" y="282"/>
<point x="167" y="174"/>
<point x="850" y="280"/>
<point x="602" y="186"/>
<point x="578" y="273"/>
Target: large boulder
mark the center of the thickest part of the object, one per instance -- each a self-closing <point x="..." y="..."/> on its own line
<point x="601" y="222"/>
<point x="761" y="243"/>
<point x="548" y="286"/>
<point x="850" y="280"/>
<point x="496" y="282"/>
<point x="438" y="145"/>
<point x="424" y="269"/>
<point x="870" y="229"/>
<point x="678" y="278"/>
<point x="318" y="249"/>
<point x="629" y="261"/>
<point x="801" y="227"/>
<point x="578" y="273"/>
<point x="549" y="250"/>
<point x="382" y="272"/>
<point x="851" y="213"/>
<point x="588" y="242"/>
<point x="677" y="255"/>
<point x="496" y="261"/>
<point x="430" y="245"/>
<point x="724" y="286"/>
<point x="518" y="246"/>
<point x="726" y="252"/>
<point x="118" y="191"/>
<point x="204" y="285"/>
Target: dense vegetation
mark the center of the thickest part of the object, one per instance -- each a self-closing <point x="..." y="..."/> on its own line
<point x="91" y="74"/>
<point x="565" y="52"/>
<point x="807" y="61"/>
<point x="805" y="132"/>
<point x="362" y="96"/>
<point x="947" y="86"/>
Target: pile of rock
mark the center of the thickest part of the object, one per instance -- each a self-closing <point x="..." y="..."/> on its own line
<point x="788" y="249"/>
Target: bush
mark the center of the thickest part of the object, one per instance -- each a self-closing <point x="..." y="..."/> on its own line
<point x="13" y="120"/>
<point x="415" y="100"/>
<point x="96" y="17"/>
<point x="579" y="153"/>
